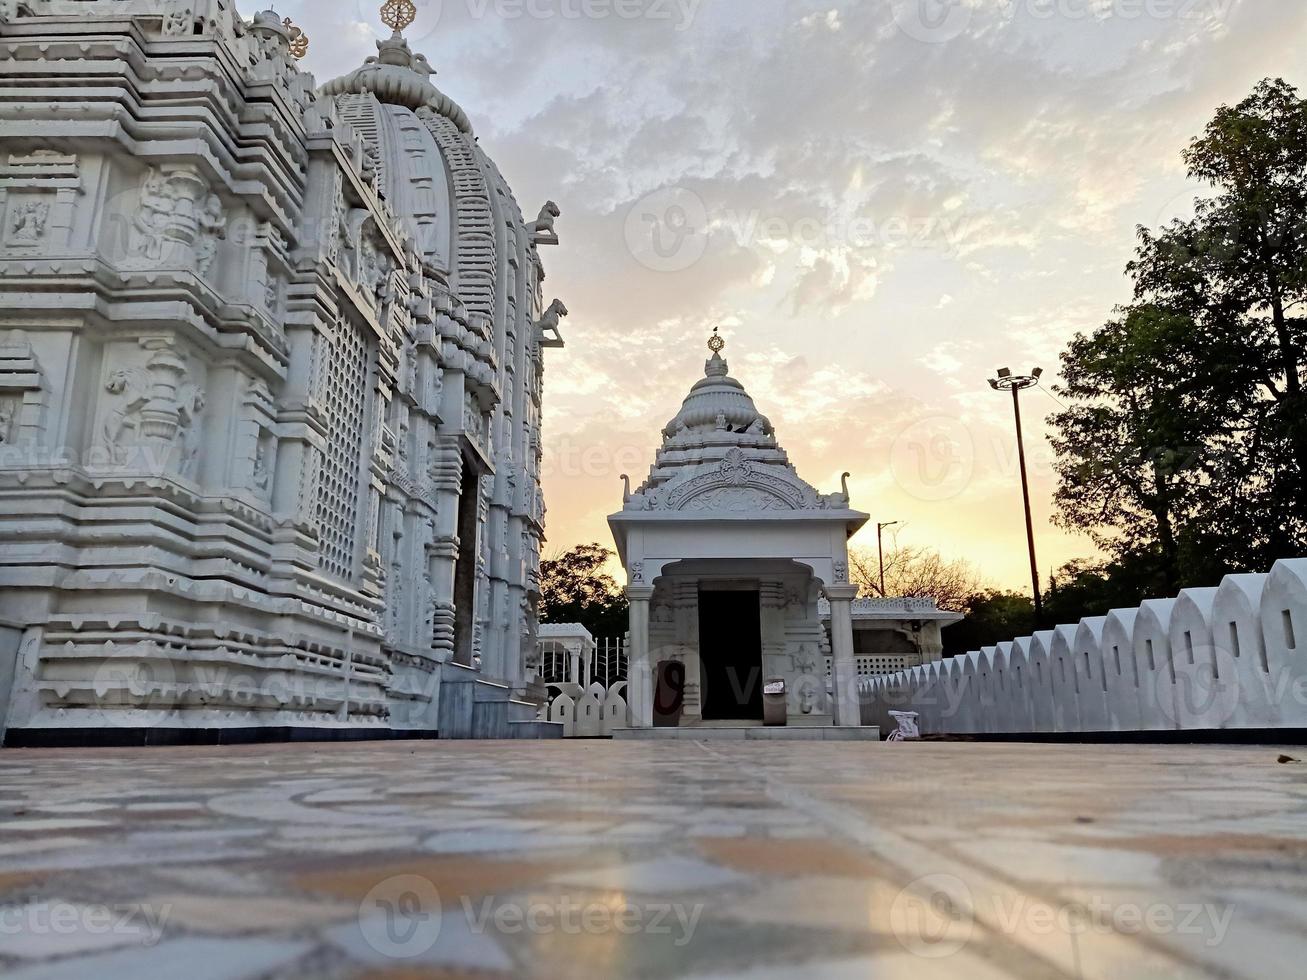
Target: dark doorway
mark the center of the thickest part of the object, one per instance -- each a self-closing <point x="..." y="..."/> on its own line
<point x="730" y="655"/>
<point x="465" y="566"/>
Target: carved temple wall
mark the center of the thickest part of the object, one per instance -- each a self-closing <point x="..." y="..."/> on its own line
<point x="238" y="405"/>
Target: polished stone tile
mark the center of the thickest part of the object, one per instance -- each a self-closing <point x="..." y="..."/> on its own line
<point x="191" y="959"/>
<point x="781" y="860"/>
<point x="670" y="874"/>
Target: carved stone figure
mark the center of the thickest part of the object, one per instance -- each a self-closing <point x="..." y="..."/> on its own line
<point x="177" y="22"/>
<point x="30" y="219"/>
<point x="155" y="410"/>
<point x="547" y="326"/>
<point x="542" y="232"/>
<point x="213" y="225"/>
<point x="151" y="217"/>
<point x="261" y="475"/>
<point x="8" y="412"/>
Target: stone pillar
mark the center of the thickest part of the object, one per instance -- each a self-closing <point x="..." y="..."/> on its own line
<point x="639" y="671"/>
<point x="574" y="664"/>
<point x="445" y="475"/>
<point x="844" y="668"/>
<point x="685" y="610"/>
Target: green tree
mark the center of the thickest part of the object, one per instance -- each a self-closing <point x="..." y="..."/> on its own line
<point x="1240" y="267"/>
<point x="1183" y="452"/>
<point x="1135" y="447"/>
<point x="992" y="616"/>
<point x="575" y="588"/>
<point x="1086" y="588"/>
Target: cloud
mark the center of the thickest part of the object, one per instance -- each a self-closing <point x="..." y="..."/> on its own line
<point x="885" y="219"/>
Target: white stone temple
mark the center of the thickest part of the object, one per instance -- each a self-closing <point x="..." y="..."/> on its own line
<point x="727" y="553"/>
<point x="270" y="382"/>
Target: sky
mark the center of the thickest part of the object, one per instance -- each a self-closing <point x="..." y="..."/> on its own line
<point x="880" y="202"/>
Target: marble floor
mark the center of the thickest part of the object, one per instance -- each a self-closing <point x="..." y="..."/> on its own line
<point x="647" y="859"/>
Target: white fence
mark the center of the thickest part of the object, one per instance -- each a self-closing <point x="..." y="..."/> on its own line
<point x="1210" y="659"/>
<point x="567" y="654"/>
<point x="587" y="712"/>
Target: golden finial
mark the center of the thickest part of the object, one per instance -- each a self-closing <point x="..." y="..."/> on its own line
<point x="299" y="41"/>
<point x="715" y="342"/>
<point x="398" y="14"/>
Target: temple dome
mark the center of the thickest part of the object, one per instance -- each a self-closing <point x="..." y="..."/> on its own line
<point x="397" y="76"/>
<point x="718" y="402"/>
<point x="431" y="169"/>
<point x="719" y="456"/>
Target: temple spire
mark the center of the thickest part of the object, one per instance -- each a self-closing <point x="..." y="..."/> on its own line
<point x="398" y="14"/>
<point x="715" y="366"/>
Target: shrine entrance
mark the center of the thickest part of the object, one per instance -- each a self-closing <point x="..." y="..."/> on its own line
<point x="730" y="655"/>
<point x="727" y="551"/>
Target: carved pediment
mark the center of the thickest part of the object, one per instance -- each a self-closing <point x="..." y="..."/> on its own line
<point x="737" y="485"/>
<point x="736" y="500"/>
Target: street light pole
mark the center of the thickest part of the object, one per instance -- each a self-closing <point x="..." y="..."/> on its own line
<point x="880" y="551"/>
<point x="1007" y="381"/>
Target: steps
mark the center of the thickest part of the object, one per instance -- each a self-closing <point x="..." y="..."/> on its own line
<point x="474" y="707"/>
<point x="780" y="733"/>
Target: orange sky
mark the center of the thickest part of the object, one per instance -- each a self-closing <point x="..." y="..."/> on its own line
<point x="879" y="212"/>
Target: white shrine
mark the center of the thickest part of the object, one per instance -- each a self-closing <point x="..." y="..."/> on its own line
<point x="727" y="553"/>
<point x="270" y="386"/>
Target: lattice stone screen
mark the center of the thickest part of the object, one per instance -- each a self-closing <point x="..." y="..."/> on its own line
<point x="338" y="496"/>
<point x="874" y="666"/>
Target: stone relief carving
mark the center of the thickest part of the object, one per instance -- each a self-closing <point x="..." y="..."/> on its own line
<point x="372" y="272"/>
<point x="177" y="21"/>
<point x="473" y="419"/>
<point x="22" y="389"/>
<point x="332" y="239"/>
<point x="736" y="500"/>
<point x="213" y="224"/>
<point x="178" y="221"/>
<point x="38" y="192"/>
<point x="738" y="474"/>
<point x="262" y="474"/>
<point x="735" y="468"/>
<point x="145" y="402"/>
<point x="8" y="419"/>
<point x="804" y="660"/>
<point x="154" y="410"/>
<point x="149" y="222"/>
<point x="29" y="221"/>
